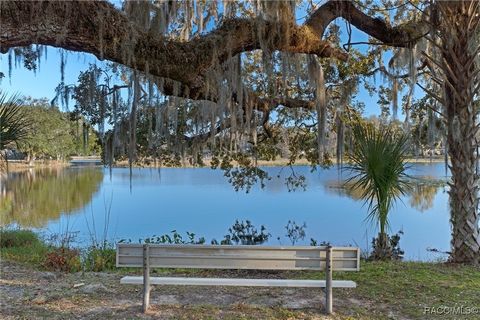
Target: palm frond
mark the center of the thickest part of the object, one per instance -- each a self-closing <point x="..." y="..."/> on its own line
<point x="378" y="167"/>
<point x="14" y="122"/>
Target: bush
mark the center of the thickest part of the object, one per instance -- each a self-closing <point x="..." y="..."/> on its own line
<point x="387" y="248"/>
<point x="22" y="246"/>
<point x="62" y="259"/>
<point x="244" y="233"/>
<point x="100" y="258"/>
<point x="18" y="238"/>
<point x="173" y="238"/>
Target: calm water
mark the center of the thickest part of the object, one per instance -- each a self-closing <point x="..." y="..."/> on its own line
<point x="202" y="201"/>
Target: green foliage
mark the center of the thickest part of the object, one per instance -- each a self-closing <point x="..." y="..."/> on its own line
<point x="56" y="253"/>
<point x="245" y="233"/>
<point x="23" y="246"/>
<point x="14" y="122"/>
<point x="421" y="191"/>
<point x="50" y="134"/>
<point x="85" y="140"/>
<point x="29" y="56"/>
<point x="378" y="165"/>
<point x="54" y="135"/>
<point x="268" y="149"/>
<point x="167" y="129"/>
<point x="100" y="258"/>
<point x="387" y="249"/>
<point x="314" y="243"/>
<point x="17" y="238"/>
<point x="173" y="238"/>
<point x="90" y="97"/>
<point x="427" y="129"/>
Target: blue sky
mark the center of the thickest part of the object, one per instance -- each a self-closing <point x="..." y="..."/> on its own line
<point x="46" y="79"/>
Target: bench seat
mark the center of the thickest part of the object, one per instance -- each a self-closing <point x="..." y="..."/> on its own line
<point x="235" y="282"/>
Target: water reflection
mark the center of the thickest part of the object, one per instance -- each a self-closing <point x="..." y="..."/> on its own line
<point x="32" y="198"/>
<point x="420" y="196"/>
<point x="423" y="193"/>
<point x="202" y="201"/>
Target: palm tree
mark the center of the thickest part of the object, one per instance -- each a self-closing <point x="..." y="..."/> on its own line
<point x="378" y="166"/>
<point x="14" y="124"/>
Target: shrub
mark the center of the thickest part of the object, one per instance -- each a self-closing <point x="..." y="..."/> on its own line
<point x="22" y="246"/>
<point x="62" y="259"/>
<point x="245" y="233"/>
<point x="18" y="238"/>
<point x="100" y="258"/>
<point x="387" y="249"/>
<point x="173" y="238"/>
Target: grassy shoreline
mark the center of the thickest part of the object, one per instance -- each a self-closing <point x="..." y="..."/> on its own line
<point x="394" y="290"/>
<point x="40" y="164"/>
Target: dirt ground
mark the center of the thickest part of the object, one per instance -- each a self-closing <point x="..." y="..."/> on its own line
<point x="31" y="294"/>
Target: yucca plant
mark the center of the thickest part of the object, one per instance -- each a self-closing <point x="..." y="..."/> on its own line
<point x="14" y="123"/>
<point x="378" y="166"/>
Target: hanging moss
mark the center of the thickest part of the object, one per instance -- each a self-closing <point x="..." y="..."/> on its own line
<point x="62" y="66"/>
<point x="317" y="80"/>
<point x="10" y="64"/>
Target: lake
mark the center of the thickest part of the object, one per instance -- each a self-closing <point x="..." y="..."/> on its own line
<point x="201" y="200"/>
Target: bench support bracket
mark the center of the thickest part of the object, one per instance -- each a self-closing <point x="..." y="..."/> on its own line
<point x="146" y="277"/>
<point x="328" y="282"/>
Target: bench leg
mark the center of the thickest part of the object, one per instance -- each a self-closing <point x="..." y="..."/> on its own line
<point x="328" y="285"/>
<point x="146" y="278"/>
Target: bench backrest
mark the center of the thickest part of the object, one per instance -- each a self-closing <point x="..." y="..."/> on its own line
<point x="238" y="257"/>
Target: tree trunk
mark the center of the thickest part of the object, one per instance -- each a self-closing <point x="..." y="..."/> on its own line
<point x="464" y="185"/>
<point x="462" y="131"/>
<point x="381" y="248"/>
<point x="31" y="160"/>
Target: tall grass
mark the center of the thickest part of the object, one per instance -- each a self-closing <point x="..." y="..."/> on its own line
<point x="23" y="246"/>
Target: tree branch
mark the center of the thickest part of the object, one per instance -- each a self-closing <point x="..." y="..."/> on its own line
<point x="97" y="27"/>
<point x="405" y="35"/>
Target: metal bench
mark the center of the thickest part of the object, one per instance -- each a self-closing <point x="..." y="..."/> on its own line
<point x="238" y="257"/>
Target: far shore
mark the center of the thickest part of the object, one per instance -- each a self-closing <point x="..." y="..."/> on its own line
<point x="42" y="164"/>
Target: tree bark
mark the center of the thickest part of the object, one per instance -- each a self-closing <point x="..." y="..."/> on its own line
<point x="462" y="124"/>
